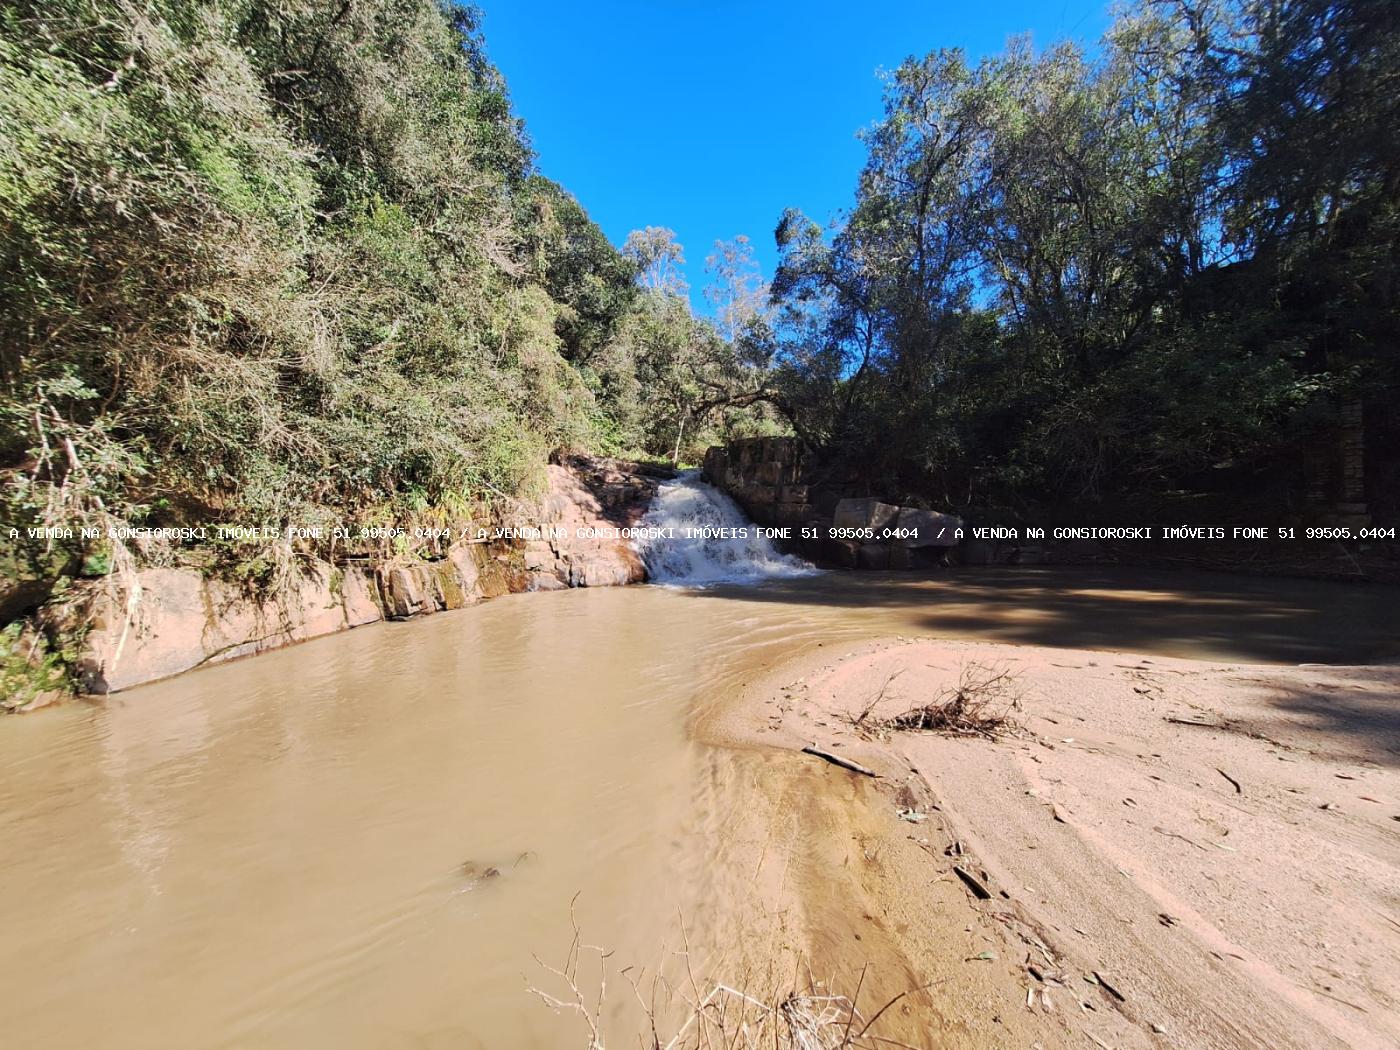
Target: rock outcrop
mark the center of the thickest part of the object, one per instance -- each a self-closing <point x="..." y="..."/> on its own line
<point x="772" y="479"/>
<point x="589" y="500"/>
<point x="177" y="619"/>
<point x="766" y="476"/>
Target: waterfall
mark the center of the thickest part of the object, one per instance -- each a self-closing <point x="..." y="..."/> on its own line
<point x="689" y="503"/>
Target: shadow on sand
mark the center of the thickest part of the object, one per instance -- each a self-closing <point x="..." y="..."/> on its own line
<point x="1193" y="615"/>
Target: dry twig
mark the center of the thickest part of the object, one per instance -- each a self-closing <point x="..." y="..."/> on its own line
<point x="981" y="704"/>
<point x="718" y="1014"/>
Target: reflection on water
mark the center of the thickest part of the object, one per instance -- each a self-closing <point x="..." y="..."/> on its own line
<point x="271" y="853"/>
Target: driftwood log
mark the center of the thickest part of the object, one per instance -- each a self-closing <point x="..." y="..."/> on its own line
<point x="837" y="760"/>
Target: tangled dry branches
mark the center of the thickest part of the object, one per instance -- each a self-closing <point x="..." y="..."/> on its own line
<point x="710" y="1014"/>
<point x="981" y="704"/>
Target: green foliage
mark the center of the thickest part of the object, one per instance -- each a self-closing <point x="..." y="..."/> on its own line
<point x="289" y="264"/>
<point x="279" y="263"/>
<point x="1066" y="279"/>
<point x="589" y="279"/>
<point x="675" y="386"/>
<point x="29" y="670"/>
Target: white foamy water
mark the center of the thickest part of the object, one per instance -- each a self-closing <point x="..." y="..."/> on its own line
<point x="689" y="503"/>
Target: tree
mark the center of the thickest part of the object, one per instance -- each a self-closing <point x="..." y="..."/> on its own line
<point x="737" y="290"/>
<point x="871" y="316"/>
<point x="590" y="279"/>
<point x="658" y="258"/>
<point x="281" y="261"/>
<point x="1066" y="277"/>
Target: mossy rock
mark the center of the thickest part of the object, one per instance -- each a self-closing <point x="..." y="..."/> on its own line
<point x="31" y="673"/>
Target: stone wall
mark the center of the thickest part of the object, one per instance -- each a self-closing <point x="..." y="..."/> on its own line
<point x="177" y="619"/>
<point x="773" y="481"/>
<point x="767" y="477"/>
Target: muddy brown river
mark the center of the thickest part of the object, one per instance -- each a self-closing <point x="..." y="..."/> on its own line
<point x="295" y="850"/>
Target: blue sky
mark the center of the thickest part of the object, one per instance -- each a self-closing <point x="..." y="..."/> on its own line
<point x="712" y="117"/>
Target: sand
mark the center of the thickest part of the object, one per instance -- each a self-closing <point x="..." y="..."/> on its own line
<point x="1177" y="853"/>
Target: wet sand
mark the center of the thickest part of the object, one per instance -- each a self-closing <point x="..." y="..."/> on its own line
<point x="1231" y="882"/>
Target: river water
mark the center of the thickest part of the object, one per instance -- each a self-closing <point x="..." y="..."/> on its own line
<point x="292" y="850"/>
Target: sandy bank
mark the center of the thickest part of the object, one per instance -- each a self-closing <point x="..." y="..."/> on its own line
<point x="1177" y="853"/>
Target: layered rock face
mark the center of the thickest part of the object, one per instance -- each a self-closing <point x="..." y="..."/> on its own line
<point x="594" y="497"/>
<point x="766" y="476"/>
<point x="918" y="537"/>
<point x="771" y="479"/>
<point x="177" y="619"/>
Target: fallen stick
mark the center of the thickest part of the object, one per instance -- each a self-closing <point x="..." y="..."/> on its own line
<point x="1339" y="999"/>
<point x="1387" y="918"/>
<point x="844" y="763"/>
<point x="1238" y="790"/>
<point x="1103" y="983"/>
<point x="1183" y="838"/>
<point x="1194" y="722"/>
<point x="978" y="890"/>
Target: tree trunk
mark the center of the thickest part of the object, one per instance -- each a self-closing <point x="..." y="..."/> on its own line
<point x="680" y="433"/>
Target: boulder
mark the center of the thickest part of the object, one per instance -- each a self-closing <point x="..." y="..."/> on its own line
<point x="792" y="515"/>
<point x="493" y="577"/>
<point x="586" y="495"/>
<point x="618" y="494"/>
<point x="451" y="593"/>
<point x="403" y="592"/>
<point x="467" y="561"/>
<point x="176" y="620"/>
<point x="792" y="494"/>
<point x="873" y="556"/>
<point x="538" y="558"/>
<point x="933" y="529"/>
<point x="758" y="494"/>
<point x="358" y="595"/>
<point x="864" y="513"/>
<point x="612" y="567"/>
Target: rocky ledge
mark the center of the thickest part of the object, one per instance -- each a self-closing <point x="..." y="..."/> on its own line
<point x="772" y="481"/>
<point x="595" y="496"/>
<point x="177" y="619"/>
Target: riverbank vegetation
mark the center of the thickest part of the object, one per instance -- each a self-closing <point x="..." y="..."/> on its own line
<point x="1167" y="267"/>
<point x="683" y="1010"/>
<point x="292" y="265"/>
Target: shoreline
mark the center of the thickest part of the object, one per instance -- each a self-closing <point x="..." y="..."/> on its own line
<point x="1099" y="831"/>
<point x="158" y="622"/>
